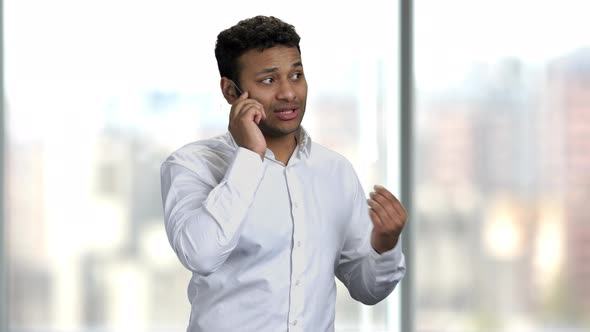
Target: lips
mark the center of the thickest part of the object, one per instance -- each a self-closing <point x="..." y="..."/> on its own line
<point x="287" y="113"/>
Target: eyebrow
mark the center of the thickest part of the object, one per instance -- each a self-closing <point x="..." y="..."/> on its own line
<point x="274" y="69"/>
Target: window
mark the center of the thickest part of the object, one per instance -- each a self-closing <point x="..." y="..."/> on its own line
<point x="502" y="167"/>
<point x="98" y="93"/>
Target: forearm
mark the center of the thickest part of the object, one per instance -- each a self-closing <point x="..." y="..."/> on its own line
<point x="202" y="243"/>
<point x="372" y="277"/>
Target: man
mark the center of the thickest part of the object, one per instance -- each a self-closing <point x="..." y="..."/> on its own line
<point x="264" y="217"/>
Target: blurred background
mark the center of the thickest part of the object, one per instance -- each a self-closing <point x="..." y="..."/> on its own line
<point x="98" y="93"/>
<point x="502" y="166"/>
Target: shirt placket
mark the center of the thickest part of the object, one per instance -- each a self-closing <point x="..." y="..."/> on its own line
<point x="296" y="303"/>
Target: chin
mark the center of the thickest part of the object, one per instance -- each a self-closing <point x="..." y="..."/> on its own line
<point x="276" y="131"/>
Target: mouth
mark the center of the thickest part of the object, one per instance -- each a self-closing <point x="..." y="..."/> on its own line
<point x="287" y="113"/>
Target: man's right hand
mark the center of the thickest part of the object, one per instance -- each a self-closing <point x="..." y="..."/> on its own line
<point x="244" y="117"/>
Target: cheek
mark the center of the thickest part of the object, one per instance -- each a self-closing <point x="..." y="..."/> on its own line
<point x="265" y="100"/>
<point x="302" y="91"/>
<point x="267" y="107"/>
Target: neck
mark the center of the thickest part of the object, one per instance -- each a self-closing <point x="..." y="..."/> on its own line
<point x="282" y="147"/>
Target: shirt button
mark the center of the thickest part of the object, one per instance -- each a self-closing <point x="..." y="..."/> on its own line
<point x="299" y="243"/>
<point x="294" y="322"/>
<point x="297" y="283"/>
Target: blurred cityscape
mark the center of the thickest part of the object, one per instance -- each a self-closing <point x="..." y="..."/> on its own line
<point x="502" y="181"/>
<point x="99" y="93"/>
<point x="502" y="185"/>
<point x="87" y="246"/>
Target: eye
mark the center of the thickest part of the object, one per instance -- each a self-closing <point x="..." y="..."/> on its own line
<point x="297" y="76"/>
<point x="267" y="80"/>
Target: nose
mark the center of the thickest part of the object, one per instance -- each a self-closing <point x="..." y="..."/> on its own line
<point x="286" y="91"/>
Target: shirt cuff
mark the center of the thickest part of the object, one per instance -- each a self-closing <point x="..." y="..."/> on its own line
<point x="393" y="255"/>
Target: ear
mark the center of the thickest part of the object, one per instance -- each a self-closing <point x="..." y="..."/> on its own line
<point x="229" y="90"/>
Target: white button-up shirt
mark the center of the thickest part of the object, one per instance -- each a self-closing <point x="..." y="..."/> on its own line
<point x="264" y="240"/>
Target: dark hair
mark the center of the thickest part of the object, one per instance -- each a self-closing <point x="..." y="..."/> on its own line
<point x="259" y="32"/>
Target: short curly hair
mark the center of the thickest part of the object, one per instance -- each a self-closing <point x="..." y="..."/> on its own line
<point x="259" y="32"/>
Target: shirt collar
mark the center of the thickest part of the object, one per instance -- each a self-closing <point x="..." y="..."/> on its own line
<point x="303" y="140"/>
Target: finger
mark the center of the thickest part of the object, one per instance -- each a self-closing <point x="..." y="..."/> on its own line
<point x="379" y="210"/>
<point x="387" y="225"/>
<point x="260" y="114"/>
<point x="257" y="118"/>
<point x="386" y="204"/>
<point x="263" y="113"/>
<point x="394" y="201"/>
<point x="252" y="111"/>
<point x="383" y="191"/>
<point x="261" y="109"/>
<point x="375" y="218"/>
<point x="239" y="108"/>
<point x="243" y="96"/>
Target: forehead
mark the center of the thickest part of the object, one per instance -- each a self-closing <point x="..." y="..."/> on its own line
<point x="279" y="57"/>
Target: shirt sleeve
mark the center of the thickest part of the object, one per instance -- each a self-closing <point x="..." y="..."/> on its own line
<point x="203" y="220"/>
<point x="368" y="276"/>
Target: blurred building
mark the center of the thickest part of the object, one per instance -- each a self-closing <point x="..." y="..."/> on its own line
<point x="502" y="171"/>
<point x="568" y="89"/>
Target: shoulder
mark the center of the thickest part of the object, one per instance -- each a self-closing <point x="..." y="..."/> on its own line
<point x="328" y="157"/>
<point x="334" y="171"/>
<point x="327" y="162"/>
<point x="200" y="153"/>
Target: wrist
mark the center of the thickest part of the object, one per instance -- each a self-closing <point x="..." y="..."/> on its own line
<point x="383" y="243"/>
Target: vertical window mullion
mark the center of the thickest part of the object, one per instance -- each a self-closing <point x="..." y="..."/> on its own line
<point x="3" y="246"/>
<point x="406" y="147"/>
